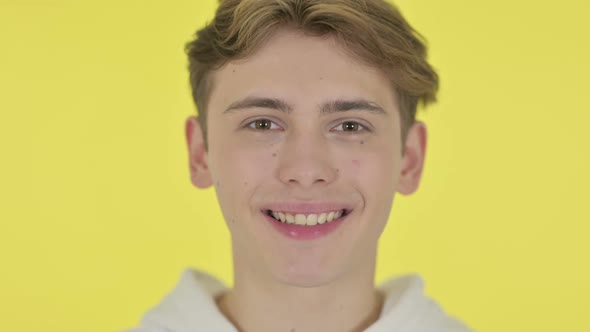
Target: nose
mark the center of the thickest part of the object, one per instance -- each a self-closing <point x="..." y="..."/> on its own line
<point x="305" y="161"/>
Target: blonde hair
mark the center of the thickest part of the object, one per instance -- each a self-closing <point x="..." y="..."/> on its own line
<point x="373" y="30"/>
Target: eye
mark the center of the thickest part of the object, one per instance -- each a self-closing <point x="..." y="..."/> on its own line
<point x="261" y="124"/>
<point x="351" y="126"/>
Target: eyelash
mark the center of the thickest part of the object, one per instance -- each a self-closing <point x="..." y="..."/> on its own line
<point x="364" y="128"/>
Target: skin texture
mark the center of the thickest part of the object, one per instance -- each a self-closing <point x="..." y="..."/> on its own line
<point x="282" y="284"/>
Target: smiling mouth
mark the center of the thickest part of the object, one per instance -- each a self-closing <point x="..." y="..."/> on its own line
<point x="308" y="219"/>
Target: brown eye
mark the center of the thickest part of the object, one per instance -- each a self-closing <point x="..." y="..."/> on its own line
<point x="260" y="124"/>
<point x="351" y="127"/>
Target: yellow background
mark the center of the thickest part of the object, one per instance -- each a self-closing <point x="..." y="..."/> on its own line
<point x="98" y="217"/>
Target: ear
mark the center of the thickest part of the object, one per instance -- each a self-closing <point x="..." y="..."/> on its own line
<point x="413" y="160"/>
<point x="198" y="165"/>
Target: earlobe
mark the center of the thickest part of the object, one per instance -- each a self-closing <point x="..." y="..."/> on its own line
<point x="413" y="161"/>
<point x="198" y="164"/>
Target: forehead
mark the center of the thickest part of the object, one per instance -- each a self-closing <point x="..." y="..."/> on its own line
<point x="297" y="67"/>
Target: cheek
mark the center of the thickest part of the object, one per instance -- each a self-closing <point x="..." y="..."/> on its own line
<point x="375" y="169"/>
<point x="374" y="176"/>
<point x="250" y="164"/>
<point x="240" y="172"/>
<point x="243" y="170"/>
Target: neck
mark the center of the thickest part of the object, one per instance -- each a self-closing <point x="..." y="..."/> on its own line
<point x="348" y="304"/>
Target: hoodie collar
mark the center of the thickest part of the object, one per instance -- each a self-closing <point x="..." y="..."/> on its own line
<point x="191" y="306"/>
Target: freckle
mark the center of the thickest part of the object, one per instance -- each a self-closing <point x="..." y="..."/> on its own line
<point x="362" y="142"/>
<point x="274" y="154"/>
<point x="321" y="78"/>
<point x="245" y="183"/>
<point x="233" y="221"/>
<point x="337" y="170"/>
<point x="233" y="71"/>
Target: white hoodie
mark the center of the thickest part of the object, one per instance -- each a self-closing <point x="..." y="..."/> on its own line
<point x="191" y="307"/>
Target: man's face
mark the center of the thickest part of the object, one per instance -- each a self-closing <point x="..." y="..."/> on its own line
<point x="319" y="132"/>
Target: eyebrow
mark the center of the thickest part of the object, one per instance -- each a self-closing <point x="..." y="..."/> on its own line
<point x="334" y="106"/>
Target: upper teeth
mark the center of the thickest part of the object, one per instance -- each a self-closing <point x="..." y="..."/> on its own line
<point x="310" y="219"/>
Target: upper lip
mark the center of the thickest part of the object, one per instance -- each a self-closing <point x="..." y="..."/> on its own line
<point x="307" y="207"/>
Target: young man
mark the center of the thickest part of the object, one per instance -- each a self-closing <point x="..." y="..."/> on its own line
<point x="306" y="129"/>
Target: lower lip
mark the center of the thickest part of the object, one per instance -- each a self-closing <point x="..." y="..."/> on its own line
<point x="299" y="232"/>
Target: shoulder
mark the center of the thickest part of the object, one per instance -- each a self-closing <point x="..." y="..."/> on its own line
<point x="189" y="306"/>
<point x="148" y="329"/>
<point x="408" y="308"/>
